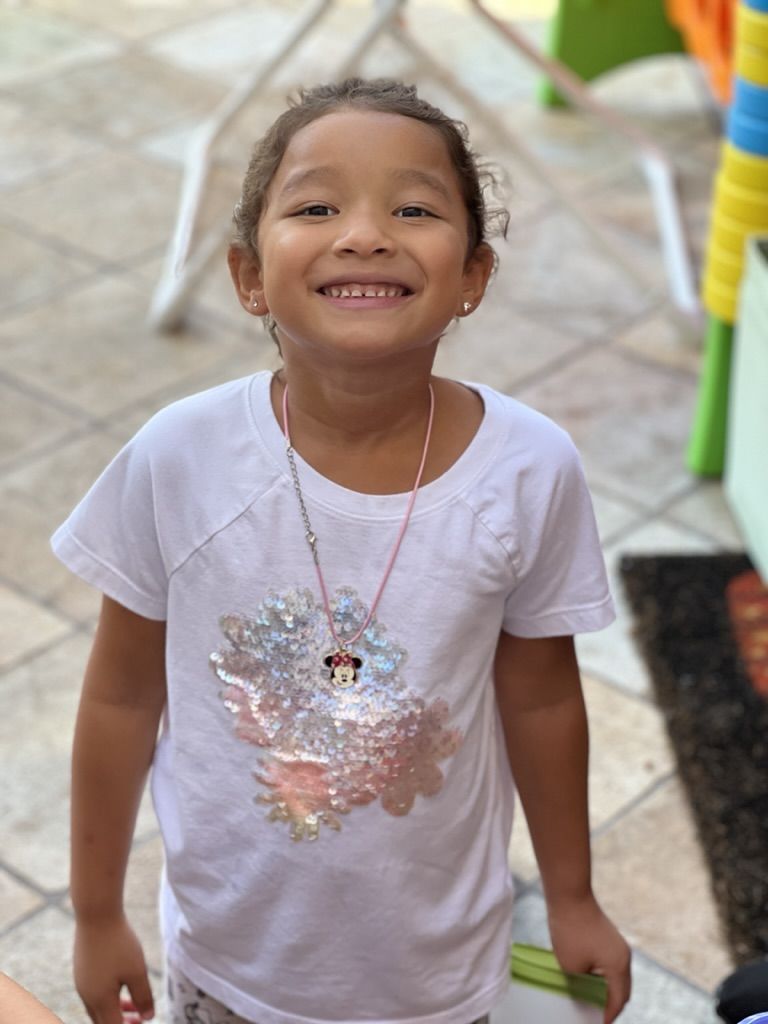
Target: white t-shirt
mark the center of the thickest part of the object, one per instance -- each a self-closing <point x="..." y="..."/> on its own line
<point x="398" y="911"/>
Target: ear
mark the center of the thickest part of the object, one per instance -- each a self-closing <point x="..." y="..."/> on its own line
<point x="477" y="272"/>
<point x="246" y="277"/>
<point x="328" y="660"/>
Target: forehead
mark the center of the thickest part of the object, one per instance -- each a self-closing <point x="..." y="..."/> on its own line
<point x="370" y="143"/>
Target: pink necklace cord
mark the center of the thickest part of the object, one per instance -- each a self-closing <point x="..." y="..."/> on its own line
<point x="312" y="540"/>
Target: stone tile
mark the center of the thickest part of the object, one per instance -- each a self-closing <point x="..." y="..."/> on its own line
<point x="34" y="500"/>
<point x="40" y="701"/>
<point x="39" y="705"/>
<point x="629" y="753"/>
<point x="261" y="355"/>
<point x="141" y="898"/>
<point x="25" y="627"/>
<point x="28" y="424"/>
<point x="16" y="900"/>
<point x="30" y="270"/>
<point x="629" y="749"/>
<point x="661" y="338"/>
<point x="628" y="420"/>
<point x="654" y="882"/>
<point x="627" y="200"/>
<point x="34" y="43"/>
<point x="658" y="997"/>
<point x="92" y="347"/>
<point x="576" y="151"/>
<point x="496" y="346"/>
<point x="134" y="19"/>
<point x="611" y="654"/>
<point x="33" y="147"/>
<point x="33" y="503"/>
<point x="153" y="95"/>
<point x="661" y="96"/>
<point x="613" y="515"/>
<point x="556" y="272"/>
<point x="38" y="955"/>
<point x="227" y="46"/>
<point x="114" y="207"/>
<point x="706" y="509"/>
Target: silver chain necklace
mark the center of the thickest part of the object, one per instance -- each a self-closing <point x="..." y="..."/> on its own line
<point x="342" y="661"/>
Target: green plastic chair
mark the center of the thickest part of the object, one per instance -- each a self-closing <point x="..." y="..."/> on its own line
<point x="593" y="36"/>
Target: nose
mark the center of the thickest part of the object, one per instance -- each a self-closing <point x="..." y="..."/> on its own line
<point x="363" y="233"/>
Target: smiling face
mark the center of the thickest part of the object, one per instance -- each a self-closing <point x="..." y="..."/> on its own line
<point x="363" y="242"/>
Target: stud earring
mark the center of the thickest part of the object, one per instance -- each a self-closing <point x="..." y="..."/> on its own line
<point x="467" y="306"/>
<point x="255" y="303"/>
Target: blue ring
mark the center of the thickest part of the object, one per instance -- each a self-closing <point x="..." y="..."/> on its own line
<point x="749" y="134"/>
<point x="750" y="99"/>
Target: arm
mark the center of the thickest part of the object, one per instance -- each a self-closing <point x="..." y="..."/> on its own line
<point x="538" y="692"/>
<point x="17" y="1005"/>
<point x="122" y="701"/>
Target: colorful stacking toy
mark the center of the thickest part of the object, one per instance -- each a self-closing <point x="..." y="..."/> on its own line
<point x="707" y="28"/>
<point x="739" y="209"/>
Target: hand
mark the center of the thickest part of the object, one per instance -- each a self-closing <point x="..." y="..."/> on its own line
<point x="585" y="941"/>
<point x="107" y="956"/>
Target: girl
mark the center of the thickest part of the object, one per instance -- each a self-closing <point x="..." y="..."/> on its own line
<point x="349" y="591"/>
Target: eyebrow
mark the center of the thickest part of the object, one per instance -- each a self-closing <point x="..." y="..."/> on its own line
<point x="321" y="175"/>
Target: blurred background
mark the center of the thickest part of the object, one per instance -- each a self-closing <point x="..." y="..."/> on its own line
<point x="98" y="104"/>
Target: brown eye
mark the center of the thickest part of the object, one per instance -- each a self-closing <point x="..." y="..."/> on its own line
<point x="414" y="211"/>
<point x="316" y="210"/>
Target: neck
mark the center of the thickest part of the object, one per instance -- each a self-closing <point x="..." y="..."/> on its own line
<point x="352" y="408"/>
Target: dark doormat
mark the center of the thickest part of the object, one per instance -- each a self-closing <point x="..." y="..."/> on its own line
<point x="702" y="625"/>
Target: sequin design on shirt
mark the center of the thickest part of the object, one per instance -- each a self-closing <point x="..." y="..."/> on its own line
<point x="328" y="749"/>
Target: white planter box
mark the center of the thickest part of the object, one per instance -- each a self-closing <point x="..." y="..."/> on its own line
<point x="746" y="469"/>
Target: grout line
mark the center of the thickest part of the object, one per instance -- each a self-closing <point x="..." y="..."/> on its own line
<point x="628" y="808"/>
<point x="604" y="680"/>
<point x="79" y="626"/>
<point x="33" y="653"/>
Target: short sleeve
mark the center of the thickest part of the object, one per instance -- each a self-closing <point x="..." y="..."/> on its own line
<point x="560" y="586"/>
<point x="111" y="539"/>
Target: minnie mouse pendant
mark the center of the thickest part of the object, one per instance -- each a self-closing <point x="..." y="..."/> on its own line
<point x="343" y="666"/>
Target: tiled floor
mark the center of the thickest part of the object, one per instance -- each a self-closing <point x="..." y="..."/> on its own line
<point x="96" y="101"/>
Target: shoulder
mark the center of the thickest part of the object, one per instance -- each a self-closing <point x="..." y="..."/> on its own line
<point x="527" y="441"/>
<point x="199" y="461"/>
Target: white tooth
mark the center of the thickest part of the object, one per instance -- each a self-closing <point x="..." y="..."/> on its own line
<point x="357" y="293"/>
<point x="344" y="293"/>
<point x="381" y="293"/>
<point x="392" y="293"/>
<point x="370" y="293"/>
<point x="335" y="292"/>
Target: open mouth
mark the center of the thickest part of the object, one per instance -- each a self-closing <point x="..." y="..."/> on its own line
<point x="365" y="291"/>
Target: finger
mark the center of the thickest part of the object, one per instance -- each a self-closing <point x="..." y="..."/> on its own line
<point x="107" y="1012"/>
<point x="141" y="995"/>
<point x="130" y="1014"/>
<point x="618" y="995"/>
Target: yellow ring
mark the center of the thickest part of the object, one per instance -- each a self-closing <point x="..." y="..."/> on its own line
<point x="720" y="300"/>
<point x="722" y="265"/>
<point x="751" y="27"/>
<point x="745" y="169"/>
<point x="741" y="204"/>
<point x="727" y="234"/>
<point x="751" y="63"/>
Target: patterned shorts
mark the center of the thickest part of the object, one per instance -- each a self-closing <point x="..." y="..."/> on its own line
<point x="187" y="1004"/>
